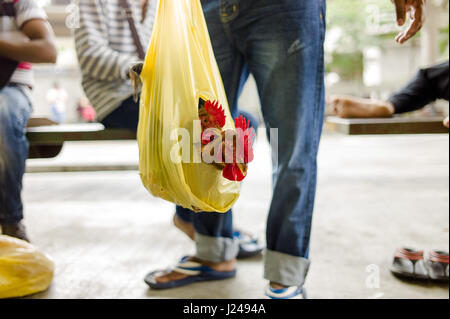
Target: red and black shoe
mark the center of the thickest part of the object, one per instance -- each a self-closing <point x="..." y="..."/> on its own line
<point x="410" y="264"/>
<point x="437" y="265"/>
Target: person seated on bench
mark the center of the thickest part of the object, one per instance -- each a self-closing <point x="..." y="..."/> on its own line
<point x="105" y="59"/>
<point x="26" y="37"/>
<point x="427" y="86"/>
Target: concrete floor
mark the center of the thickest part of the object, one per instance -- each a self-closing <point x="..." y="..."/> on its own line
<point x="105" y="232"/>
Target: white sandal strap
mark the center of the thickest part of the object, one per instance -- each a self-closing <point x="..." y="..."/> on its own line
<point x="188" y="268"/>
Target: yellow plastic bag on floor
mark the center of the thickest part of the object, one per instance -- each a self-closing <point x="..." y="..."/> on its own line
<point x="24" y="270"/>
<point x="180" y="70"/>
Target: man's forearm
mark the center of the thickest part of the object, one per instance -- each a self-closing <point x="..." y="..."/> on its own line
<point x="426" y="87"/>
<point x="33" y="51"/>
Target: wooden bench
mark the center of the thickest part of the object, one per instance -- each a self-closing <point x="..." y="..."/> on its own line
<point x="393" y="125"/>
<point x="46" y="138"/>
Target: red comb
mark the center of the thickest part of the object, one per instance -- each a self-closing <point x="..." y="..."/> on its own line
<point x="243" y="127"/>
<point x="242" y="153"/>
<point x="216" y="112"/>
<point x="212" y="115"/>
<point x="241" y="123"/>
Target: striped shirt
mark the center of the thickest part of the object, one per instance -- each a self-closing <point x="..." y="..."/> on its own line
<point x="13" y="15"/>
<point x="105" y="50"/>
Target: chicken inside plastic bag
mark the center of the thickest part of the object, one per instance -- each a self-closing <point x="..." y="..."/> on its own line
<point x="180" y="75"/>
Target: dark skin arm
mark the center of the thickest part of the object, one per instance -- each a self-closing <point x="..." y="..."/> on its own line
<point x="40" y="48"/>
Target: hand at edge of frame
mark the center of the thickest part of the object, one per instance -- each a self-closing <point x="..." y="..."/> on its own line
<point x="416" y="11"/>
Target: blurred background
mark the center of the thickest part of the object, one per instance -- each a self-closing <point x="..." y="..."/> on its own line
<point x="361" y="57"/>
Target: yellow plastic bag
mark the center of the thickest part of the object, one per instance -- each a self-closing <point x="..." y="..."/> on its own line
<point x="24" y="270"/>
<point x="179" y="70"/>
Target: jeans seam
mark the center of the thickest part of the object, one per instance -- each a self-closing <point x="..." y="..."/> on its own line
<point x="317" y="133"/>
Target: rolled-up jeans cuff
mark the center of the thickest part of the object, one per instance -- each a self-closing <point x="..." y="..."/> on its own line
<point x="284" y="269"/>
<point x="216" y="249"/>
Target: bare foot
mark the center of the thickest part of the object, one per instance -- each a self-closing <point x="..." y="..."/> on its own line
<point x="354" y="107"/>
<point x="185" y="227"/>
<point x="446" y="122"/>
<point x="166" y="277"/>
<point x="189" y="230"/>
<point x="174" y="275"/>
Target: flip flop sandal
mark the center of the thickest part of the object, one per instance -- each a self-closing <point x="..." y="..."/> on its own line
<point x="409" y="263"/>
<point x="293" y="292"/>
<point x="437" y="265"/>
<point x="249" y="246"/>
<point x="196" y="273"/>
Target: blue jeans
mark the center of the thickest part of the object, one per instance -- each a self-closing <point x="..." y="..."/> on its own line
<point x="15" y="110"/>
<point x="281" y="43"/>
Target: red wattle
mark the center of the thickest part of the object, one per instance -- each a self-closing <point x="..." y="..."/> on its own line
<point x="233" y="173"/>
